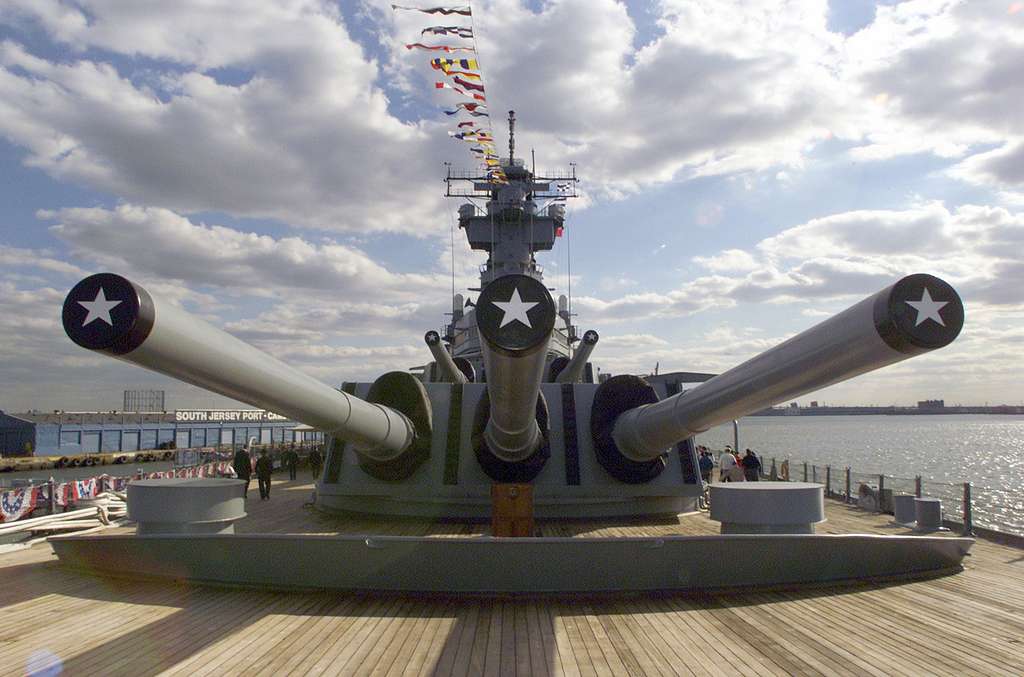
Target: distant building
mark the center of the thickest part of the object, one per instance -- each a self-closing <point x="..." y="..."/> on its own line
<point x="64" y="433"/>
<point x="931" y="405"/>
<point x="814" y="404"/>
<point x="144" y="400"/>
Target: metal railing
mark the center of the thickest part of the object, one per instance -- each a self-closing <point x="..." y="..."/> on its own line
<point x="971" y="509"/>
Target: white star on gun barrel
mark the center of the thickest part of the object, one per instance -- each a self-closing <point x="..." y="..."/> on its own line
<point x="99" y="308"/>
<point x="514" y="310"/>
<point x="927" y="309"/>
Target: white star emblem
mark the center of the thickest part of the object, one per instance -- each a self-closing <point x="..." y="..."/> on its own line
<point x="927" y="309"/>
<point x="515" y="309"/>
<point x="99" y="308"/>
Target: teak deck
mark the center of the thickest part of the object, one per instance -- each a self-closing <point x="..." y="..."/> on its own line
<point x="968" y="623"/>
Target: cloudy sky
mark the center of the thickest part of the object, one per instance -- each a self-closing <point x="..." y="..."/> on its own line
<point x="749" y="168"/>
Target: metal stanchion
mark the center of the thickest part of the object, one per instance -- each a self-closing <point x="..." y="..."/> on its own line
<point x="968" y="516"/>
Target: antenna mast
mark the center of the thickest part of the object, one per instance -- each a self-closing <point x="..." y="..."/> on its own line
<point x="511" y="135"/>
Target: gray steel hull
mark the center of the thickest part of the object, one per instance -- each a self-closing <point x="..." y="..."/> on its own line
<point x="499" y="565"/>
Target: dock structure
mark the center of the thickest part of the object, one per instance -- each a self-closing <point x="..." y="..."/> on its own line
<point x="971" y="622"/>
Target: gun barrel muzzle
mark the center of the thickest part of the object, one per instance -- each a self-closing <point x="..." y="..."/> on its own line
<point x="917" y="314"/>
<point x="109" y="314"/>
<point x="515" y="316"/>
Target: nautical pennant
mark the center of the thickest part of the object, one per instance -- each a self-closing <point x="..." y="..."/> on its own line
<point x="461" y="11"/>
<point x="468" y="85"/>
<point x="445" y="85"/>
<point x="474" y="109"/>
<point x="448" y="64"/>
<point x="460" y="31"/>
<point x="439" y="48"/>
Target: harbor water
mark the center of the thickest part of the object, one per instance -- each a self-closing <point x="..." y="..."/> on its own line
<point x="986" y="450"/>
<point x="22" y="477"/>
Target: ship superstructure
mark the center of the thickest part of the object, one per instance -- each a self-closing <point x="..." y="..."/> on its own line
<point x="511" y="221"/>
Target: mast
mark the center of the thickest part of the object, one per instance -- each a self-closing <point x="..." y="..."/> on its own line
<point x="511" y="135"/>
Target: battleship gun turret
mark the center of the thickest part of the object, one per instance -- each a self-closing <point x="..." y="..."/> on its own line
<point x="917" y="314"/>
<point x="109" y="314"/>
<point x="505" y="398"/>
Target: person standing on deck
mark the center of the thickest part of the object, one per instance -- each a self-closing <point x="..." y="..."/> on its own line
<point x="726" y="465"/>
<point x="264" y="468"/>
<point x="242" y="463"/>
<point x="751" y="466"/>
<point x="316" y="462"/>
<point x="291" y="461"/>
<point x="706" y="466"/>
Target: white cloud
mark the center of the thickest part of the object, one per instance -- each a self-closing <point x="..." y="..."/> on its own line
<point x="307" y="139"/>
<point x="282" y="115"/>
<point x="730" y="260"/>
<point x="157" y="243"/>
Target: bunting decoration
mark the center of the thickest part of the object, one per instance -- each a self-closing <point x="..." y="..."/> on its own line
<point x="17" y="503"/>
<point x="445" y="85"/>
<point x="462" y="11"/>
<point x="474" y="109"/>
<point x="460" y="66"/>
<point x="442" y="48"/>
<point x="467" y="85"/>
<point x="460" y="31"/>
<point x="466" y="80"/>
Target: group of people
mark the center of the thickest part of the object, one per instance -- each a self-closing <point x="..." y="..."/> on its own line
<point x="264" y="467"/>
<point x="731" y="467"/>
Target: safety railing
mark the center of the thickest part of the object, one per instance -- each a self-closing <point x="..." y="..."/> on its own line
<point x="968" y="508"/>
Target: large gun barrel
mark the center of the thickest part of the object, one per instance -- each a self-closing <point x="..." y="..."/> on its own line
<point x="917" y="314"/>
<point x="515" y="316"/>
<point x="445" y="363"/>
<point x="573" y="371"/>
<point x="109" y="314"/>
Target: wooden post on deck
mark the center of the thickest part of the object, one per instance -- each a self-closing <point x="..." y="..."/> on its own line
<point x="968" y="513"/>
<point x="881" y="489"/>
<point x="828" y="481"/>
<point x="52" y="503"/>
<point x="847" y="484"/>
<point x="805" y="471"/>
<point x="917" y="486"/>
<point x="512" y="510"/>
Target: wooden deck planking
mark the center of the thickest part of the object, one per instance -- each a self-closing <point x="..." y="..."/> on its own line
<point x="970" y="623"/>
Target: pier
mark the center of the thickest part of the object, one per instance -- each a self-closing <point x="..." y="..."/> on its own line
<point x="968" y="623"/>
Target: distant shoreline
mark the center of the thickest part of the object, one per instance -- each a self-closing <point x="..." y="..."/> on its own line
<point x="888" y="411"/>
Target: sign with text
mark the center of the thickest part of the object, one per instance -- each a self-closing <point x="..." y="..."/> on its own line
<point x="226" y="416"/>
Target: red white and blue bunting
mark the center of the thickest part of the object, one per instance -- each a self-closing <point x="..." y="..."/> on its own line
<point x="16" y="504"/>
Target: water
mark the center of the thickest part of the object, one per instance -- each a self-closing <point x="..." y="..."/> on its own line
<point x="986" y="450"/>
<point x="59" y="475"/>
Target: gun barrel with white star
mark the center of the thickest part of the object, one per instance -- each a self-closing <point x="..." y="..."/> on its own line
<point x="515" y="316"/>
<point x="916" y="315"/>
<point x="109" y="314"/>
<point x="443" y="359"/>
<point x="573" y="372"/>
